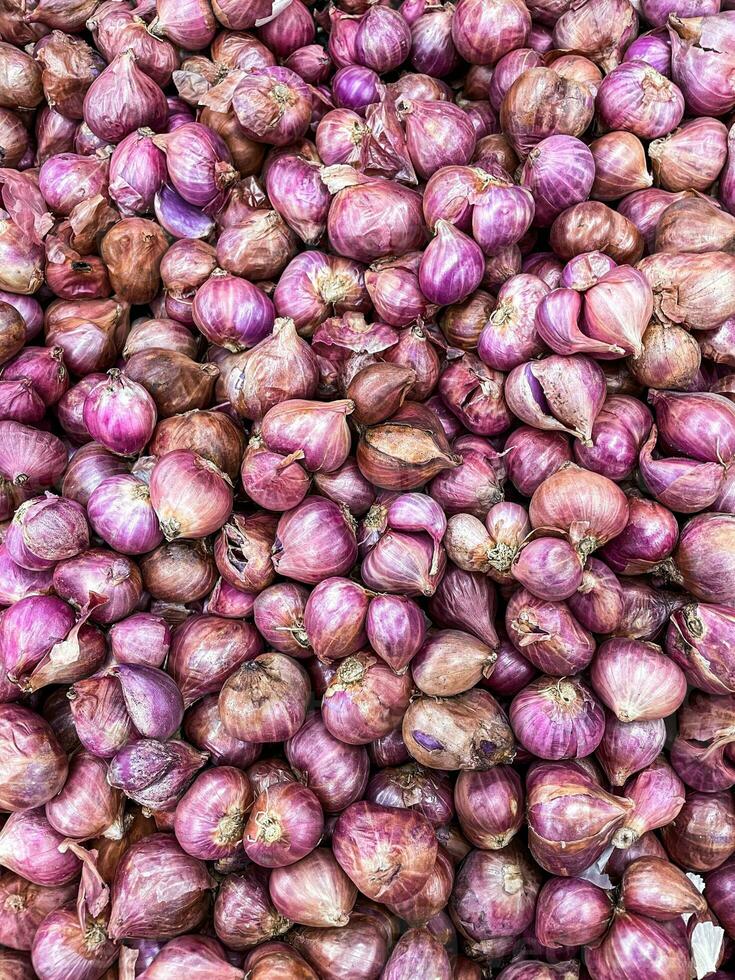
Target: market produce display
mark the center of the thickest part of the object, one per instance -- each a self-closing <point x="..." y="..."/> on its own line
<point x="367" y="490"/>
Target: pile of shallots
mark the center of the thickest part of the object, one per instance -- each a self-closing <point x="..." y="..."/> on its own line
<point x="367" y="489"/>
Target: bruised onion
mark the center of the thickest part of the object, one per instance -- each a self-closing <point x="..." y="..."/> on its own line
<point x="468" y="731"/>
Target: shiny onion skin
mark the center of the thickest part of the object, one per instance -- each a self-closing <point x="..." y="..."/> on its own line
<point x="373" y="843"/>
<point x="367" y="489"/>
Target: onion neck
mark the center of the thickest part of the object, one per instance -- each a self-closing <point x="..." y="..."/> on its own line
<point x="624" y="837"/>
<point x="94" y="935"/>
<point x="501" y="557"/>
<point x="230" y="827"/>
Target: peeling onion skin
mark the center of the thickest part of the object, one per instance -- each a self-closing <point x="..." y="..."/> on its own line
<point x="367" y="489"/>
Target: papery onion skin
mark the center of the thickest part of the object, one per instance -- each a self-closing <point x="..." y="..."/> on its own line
<point x="557" y="719"/>
<point x="495" y="893"/>
<point x="157" y="899"/>
<point x="271" y="717"/>
<point x="372" y="844"/>
<point x="327" y="895"/>
<point x="571" y="818"/>
<point x="34" y="769"/>
<point x="489" y="806"/>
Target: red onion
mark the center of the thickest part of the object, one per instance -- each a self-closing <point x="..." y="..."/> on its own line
<point x="489" y="806"/>
<point x="123" y="99"/>
<point x="30" y="847"/>
<point x="155" y="773"/>
<point x="571" y="819"/>
<point x="121" y="513"/>
<point x="137" y="170"/>
<point x="210" y="816"/>
<point x="628" y="747"/>
<point x="283" y="691"/>
<point x="86" y="806"/>
<point x="495" y="893"/>
<point x="633" y="940"/>
<point x="648" y="538"/>
<point x="700" y="753"/>
<point x="34" y="766"/>
<point x="314" y="531"/>
<point x="468" y="731"/>
<point x="25" y="906"/>
<point x="417" y="950"/>
<point x="387" y="852"/>
<point x="111" y="402"/>
<point x="365" y="699"/>
<point x="702" y="835"/>
<point x="285" y="824"/>
<point x="159" y="891"/>
<point x="557" y="719"/>
<point x="203" y="728"/>
<point x="658" y="797"/>
<point x="636" y="681"/>
<point x="564" y="394"/>
<point x="313" y="286"/>
<point x="314" y="891"/>
<point x="482" y="36"/>
<point x="206" y="650"/>
<point x="179" y="482"/>
<point x="697" y="640"/>
<point x="105" y="575"/>
<point x="272" y="105"/>
<point x="547" y="634"/>
<point x="360" y="947"/>
<point x="351" y="229"/>
<point x="415" y="788"/>
<point x="382" y="39"/>
<point x="231" y="312"/>
<point x="319" y="431"/>
<point x="62" y="948"/>
<point x="335" y="771"/>
<point x="718" y="892"/>
<point x="571" y="912"/>
<point x="243" y="912"/>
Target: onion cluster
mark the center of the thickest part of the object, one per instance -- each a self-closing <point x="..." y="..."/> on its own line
<point x="367" y="489"/>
